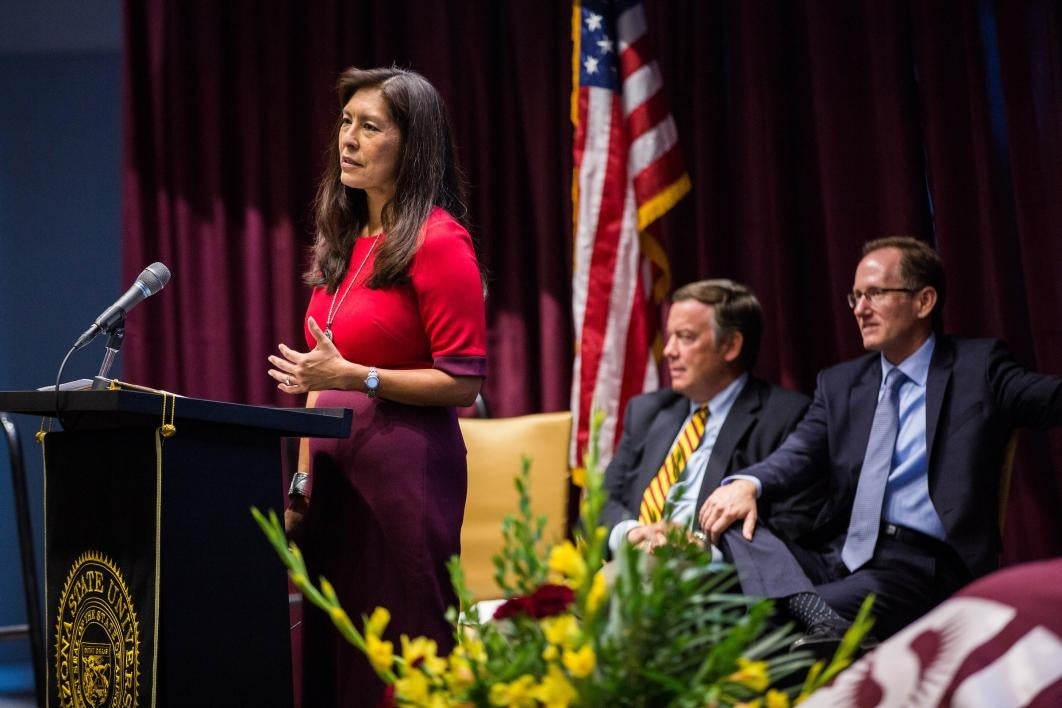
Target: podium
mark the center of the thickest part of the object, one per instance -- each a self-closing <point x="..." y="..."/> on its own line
<point x="160" y="589"/>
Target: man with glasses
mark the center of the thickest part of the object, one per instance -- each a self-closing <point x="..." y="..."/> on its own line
<point x="678" y="443"/>
<point x="910" y="442"/>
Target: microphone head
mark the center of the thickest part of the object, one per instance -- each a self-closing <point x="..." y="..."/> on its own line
<point x="154" y="277"/>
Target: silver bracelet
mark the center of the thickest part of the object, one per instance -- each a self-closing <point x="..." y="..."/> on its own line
<point x="299" y="482"/>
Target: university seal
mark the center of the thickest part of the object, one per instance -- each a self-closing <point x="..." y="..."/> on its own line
<point x="97" y="637"/>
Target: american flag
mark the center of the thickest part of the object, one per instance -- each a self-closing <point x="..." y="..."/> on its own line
<point x="628" y="172"/>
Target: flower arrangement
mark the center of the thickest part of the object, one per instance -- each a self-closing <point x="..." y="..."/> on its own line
<point x="665" y="628"/>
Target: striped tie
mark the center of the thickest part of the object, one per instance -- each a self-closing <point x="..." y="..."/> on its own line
<point x="652" y="508"/>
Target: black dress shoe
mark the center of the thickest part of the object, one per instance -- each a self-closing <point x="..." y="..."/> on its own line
<point x="822" y="641"/>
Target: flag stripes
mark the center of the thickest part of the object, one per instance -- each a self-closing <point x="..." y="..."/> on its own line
<point x="628" y="172"/>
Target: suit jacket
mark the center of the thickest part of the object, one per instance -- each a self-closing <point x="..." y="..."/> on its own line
<point x="759" y="420"/>
<point x="975" y="395"/>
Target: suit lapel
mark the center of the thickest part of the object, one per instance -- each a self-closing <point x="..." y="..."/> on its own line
<point x="862" y="402"/>
<point x="936" y="389"/>
<point x="741" y="417"/>
<point x="660" y="436"/>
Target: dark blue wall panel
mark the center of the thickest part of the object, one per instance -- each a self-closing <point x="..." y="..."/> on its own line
<point x="59" y="246"/>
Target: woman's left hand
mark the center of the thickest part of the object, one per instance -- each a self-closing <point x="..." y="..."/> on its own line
<point x="317" y="370"/>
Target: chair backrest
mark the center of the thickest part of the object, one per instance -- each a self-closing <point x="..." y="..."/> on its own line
<point x="495" y="448"/>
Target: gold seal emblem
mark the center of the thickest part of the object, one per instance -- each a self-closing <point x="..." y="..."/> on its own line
<point x="97" y="637"/>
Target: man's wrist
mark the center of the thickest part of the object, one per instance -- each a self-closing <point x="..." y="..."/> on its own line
<point x="619" y="534"/>
<point x="756" y="483"/>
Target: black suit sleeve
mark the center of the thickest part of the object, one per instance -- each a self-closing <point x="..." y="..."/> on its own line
<point x="1027" y="398"/>
<point x="621" y="471"/>
<point x="799" y="463"/>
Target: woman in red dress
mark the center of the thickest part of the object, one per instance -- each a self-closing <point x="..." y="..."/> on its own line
<point x="395" y="330"/>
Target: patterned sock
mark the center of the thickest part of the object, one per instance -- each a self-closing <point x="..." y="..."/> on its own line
<point x="811" y="611"/>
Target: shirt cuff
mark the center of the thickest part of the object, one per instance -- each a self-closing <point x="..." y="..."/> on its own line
<point x="747" y="478"/>
<point x="462" y="365"/>
<point x="619" y="534"/>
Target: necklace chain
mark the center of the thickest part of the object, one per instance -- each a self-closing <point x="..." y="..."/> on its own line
<point x="333" y="308"/>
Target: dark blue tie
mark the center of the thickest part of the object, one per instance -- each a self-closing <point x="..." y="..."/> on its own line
<point x="877" y="463"/>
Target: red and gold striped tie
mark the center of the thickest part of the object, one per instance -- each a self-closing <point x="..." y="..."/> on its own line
<point x="652" y="508"/>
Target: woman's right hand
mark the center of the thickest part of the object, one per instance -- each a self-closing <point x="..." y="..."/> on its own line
<point x="319" y="369"/>
<point x="298" y="505"/>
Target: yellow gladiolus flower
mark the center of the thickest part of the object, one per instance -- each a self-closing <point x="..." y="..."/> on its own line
<point x="579" y="477"/>
<point x="752" y="674"/>
<point x="339" y="616"/>
<point x="566" y="565"/>
<point x="460" y="675"/>
<point x="421" y="652"/>
<point x="550" y="653"/>
<point x="474" y="650"/>
<point x="377" y="622"/>
<point x="299" y="579"/>
<point x="517" y="694"/>
<point x="561" y="630"/>
<point x="413" y="688"/>
<point x="555" y="691"/>
<point x="777" y="699"/>
<point x="381" y="654"/>
<point x="580" y="663"/>
<point x="439" y="700"/>
<point x="597" y="592"/>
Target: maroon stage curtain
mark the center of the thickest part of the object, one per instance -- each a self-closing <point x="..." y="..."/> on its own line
<point x="808" y="128"/>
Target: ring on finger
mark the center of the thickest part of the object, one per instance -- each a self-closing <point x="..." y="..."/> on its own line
<point x="287" y="380"/>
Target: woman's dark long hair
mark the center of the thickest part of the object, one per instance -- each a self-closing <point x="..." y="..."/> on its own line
<point x="428" y="176"/>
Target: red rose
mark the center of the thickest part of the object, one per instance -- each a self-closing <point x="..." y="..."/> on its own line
<point x="546" y="601"/>
<point x="550" y="600"/>
<point x="511" y="608"/>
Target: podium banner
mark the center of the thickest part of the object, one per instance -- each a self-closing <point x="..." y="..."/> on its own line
<point x="103" y="500"/>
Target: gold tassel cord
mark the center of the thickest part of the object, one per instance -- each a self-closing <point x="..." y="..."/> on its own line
<point x="39" y="436"/>
<point x="168" y="427"/>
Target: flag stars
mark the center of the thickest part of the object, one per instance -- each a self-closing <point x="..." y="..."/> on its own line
<point x="598" y="49"/>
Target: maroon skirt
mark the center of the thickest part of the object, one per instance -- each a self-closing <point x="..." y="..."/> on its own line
<point x="384" y="518"/>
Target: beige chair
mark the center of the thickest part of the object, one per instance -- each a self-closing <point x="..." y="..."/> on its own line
<point x="495" y="447"/>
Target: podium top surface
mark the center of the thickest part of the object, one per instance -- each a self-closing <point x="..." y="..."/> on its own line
<point x="125" y="408"/>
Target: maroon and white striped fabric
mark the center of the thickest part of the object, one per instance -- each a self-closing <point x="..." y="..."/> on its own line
<point x="997" y="643"/>
<point x="628" y="172"/>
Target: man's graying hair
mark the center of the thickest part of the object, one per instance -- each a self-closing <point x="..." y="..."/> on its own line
<point x="736" y="310"/>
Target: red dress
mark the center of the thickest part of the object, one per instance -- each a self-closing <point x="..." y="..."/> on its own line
<point x="387" y="502"/>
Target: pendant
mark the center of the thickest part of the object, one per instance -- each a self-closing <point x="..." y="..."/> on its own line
<point x="328" y="333"/>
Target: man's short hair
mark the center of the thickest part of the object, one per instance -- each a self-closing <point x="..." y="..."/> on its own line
<point x="920" y="267"/>
<point x="736" y="310"/>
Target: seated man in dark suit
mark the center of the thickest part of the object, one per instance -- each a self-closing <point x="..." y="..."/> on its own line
<point x="716" y="418"/>
<point x="909" y="441"/>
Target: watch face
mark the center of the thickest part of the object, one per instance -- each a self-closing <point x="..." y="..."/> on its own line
<point x="372" y="381"/>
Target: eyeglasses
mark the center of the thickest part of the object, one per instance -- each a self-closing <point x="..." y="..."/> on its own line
<point x="875" y="296"/>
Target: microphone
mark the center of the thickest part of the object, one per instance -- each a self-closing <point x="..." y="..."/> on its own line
<point x="149" y="282"/>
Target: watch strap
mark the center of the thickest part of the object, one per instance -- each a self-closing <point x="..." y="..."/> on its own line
<point x="300" y="485"/>
<point x="372" y="382"/>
